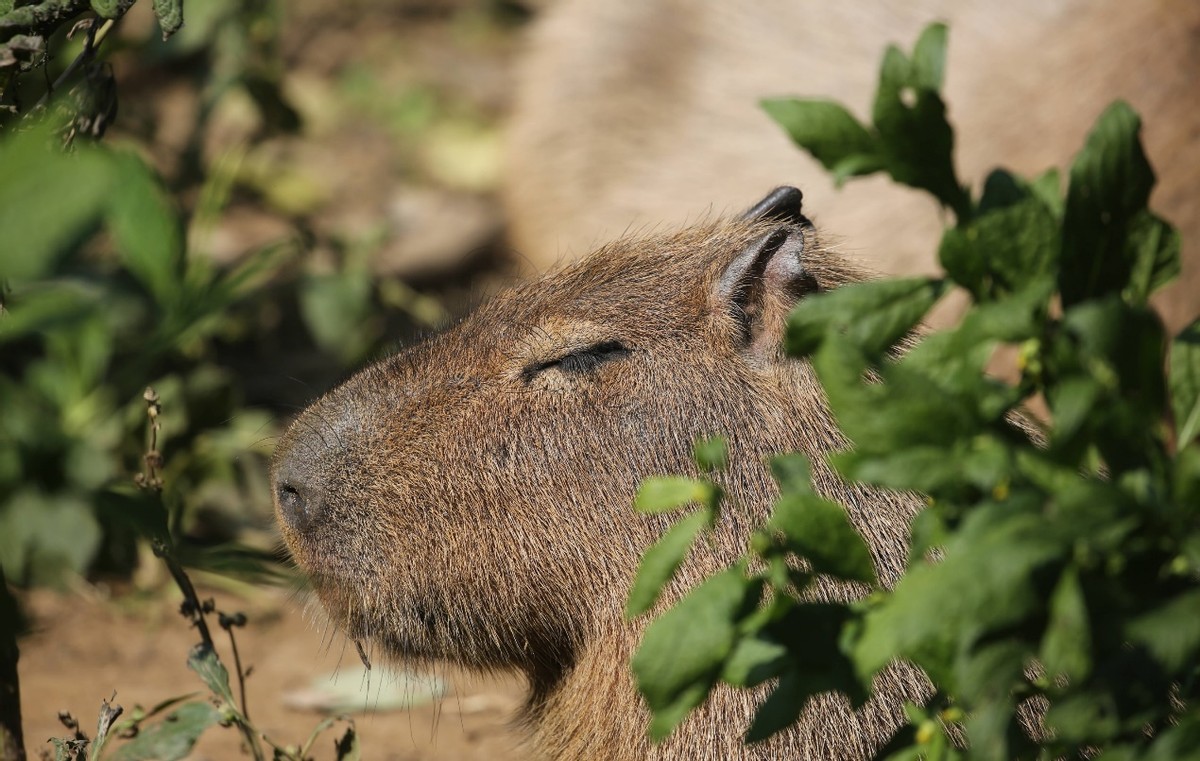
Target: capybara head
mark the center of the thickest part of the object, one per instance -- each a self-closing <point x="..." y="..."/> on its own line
<point x="470" y="498"/>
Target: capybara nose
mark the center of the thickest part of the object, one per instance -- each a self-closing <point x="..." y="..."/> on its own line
<point x="297" y="498"/>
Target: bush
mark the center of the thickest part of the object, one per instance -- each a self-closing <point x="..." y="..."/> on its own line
<point x="1057" y="562"/>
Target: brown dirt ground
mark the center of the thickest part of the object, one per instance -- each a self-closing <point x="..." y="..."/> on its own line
<point x="85" y="646"/>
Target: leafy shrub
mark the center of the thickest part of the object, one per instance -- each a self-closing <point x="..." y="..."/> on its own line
<point x="1056" y="562"/>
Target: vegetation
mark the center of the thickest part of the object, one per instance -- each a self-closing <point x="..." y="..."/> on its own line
<point x="1057" y="563"/>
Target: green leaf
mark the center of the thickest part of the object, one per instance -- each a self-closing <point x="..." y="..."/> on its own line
<point x="146" y="229"/>
<point x="711" y="454"/>
<point x="1184" y="380"/>
<point x="1066" y="648"/>
<point x="753" y="661"/>
<point x="1171" y="632"/>
<point x="49" y="201"/>
<point x="830" y="133"/>
<point x="170" y="16"/>
<point x="172" y="738"/>
<point x="872" y="316"/>
<point x="929" y="57"/>
<point x="665" y="493"/>
<point x="1153" y="247"/>
<point x="204" y="661"/>
<point x="793" y="473"/>
<point x="980" y="585"/>
<point x="820" y="531"/>
<point x="1083" y="717"/>
<point x="910" y="118"/>
<point x="33" y="545"/>
<point x="780" y="710"/>
<point x="660" y="562"/>
<point x="1005" y="249"/>
<point x="1110" y="184"/>
<point x="110" y="8"/>
<point x="682" y="651"/>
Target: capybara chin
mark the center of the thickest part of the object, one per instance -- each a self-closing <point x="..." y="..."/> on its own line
<point x="470" y="498"/>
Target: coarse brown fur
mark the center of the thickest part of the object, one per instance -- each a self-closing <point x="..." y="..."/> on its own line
<point x="464" y="500"/>
<point x="634" y="112"/>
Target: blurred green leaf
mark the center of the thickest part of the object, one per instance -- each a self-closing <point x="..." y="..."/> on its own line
<point x="146" y="228"/>
<point x="33" y="546"/>
<point x="170" y="739"/>
<point x="830" y="133"/>
<point x="1110" y="184"/>
<point x="49" y="200"/>
<point x="665" y="493"/>
<point x="1184" y="379"/>
<point x="820" y="531"/>
<point x="682" y="651"/>
<point x="660" y="562"/>
<point x="754" y="660"/>
<point x="1066" y="648"/>
<point x="711" y="454"/>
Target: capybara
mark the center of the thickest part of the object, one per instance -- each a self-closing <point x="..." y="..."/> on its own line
<point x="470" y="498"/>
<point x="632" y="113"/>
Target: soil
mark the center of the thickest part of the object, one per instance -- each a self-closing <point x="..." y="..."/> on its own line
<point x="85" y="647"/>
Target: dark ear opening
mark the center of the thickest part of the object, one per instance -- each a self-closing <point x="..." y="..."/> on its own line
<point x="762" y="283"/>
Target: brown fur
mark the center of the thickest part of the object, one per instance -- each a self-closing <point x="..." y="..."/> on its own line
<point x="643" y="111"/>
<point x="452" y="507"/>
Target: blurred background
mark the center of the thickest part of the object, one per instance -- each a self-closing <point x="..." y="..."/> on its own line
<point x="328" y="191"/>
<point x="280" y="192"/>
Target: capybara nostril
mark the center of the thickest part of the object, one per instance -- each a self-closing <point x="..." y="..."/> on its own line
<point x="293" y="507"/>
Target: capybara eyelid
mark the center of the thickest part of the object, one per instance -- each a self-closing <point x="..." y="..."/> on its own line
<point x="579" y="361"/>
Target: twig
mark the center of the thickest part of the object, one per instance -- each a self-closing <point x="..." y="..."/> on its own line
<point x="95" y="37"/>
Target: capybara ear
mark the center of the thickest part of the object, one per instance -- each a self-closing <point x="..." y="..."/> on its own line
<point x="764" y="280"/>
<point x="783" y="204"/>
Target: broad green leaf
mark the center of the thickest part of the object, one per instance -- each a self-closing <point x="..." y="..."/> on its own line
<point x="711" y="454"/>
<point x="682" y="651"/>
<point x="793" y="473"/>
<point x="1171" y="632"/>
<point x="1067" y="646"/>
<point x="780" y="710"/>
<point x="830" y="133"/>
<point x="910" y="118"/>
<point x="170" y="739"/>
<point x="754" y="660"/>
<point x="1184" y="381"/>
<point x="1154" y="247"/>
<point x="204" y="661"/>
<point x="929" y="57"/>
<point x="1006" y="249"/>
<point x="146" y="229"/>
<point x="665" y="493"/>
<point x="1110" y="184"/>
<point x="33" y="545"/>
<point x="872" y="316"/>
<point x="661" y="561"/>
<point x="1083" y="717"/>
<point x="49" y="201"/>
<point x="820" y="531"/>
<point x="980" y="585"/>
<point x="335" y="310"/>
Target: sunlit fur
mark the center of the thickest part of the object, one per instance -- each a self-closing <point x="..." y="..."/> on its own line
<point x="473" y="515"/>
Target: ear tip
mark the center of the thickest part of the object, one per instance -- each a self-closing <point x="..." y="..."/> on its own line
<point x="782" y="204"/>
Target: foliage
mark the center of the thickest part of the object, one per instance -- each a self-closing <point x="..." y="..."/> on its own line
<point x="169" y="730"/>
<point x="1054" y="562"/>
